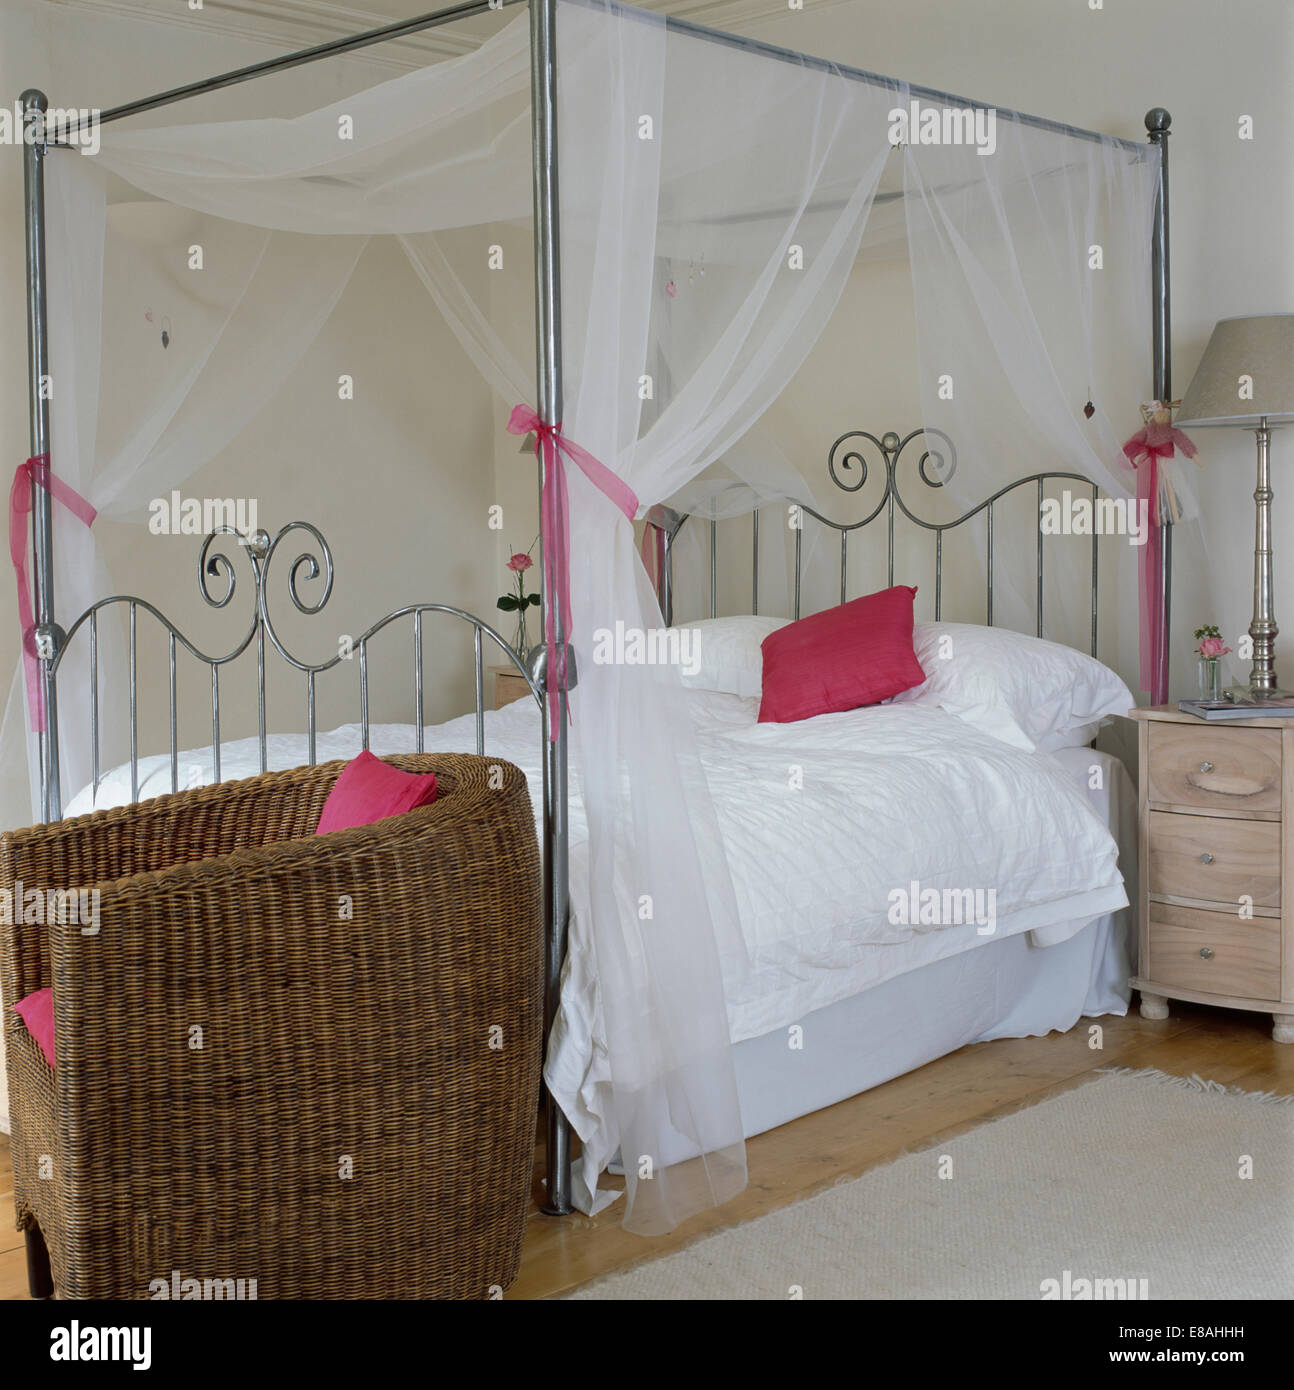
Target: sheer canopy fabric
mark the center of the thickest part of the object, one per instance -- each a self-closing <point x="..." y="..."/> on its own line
<point x="1031" y="276"/>
<point x="677" y="155"/>
<point x="659" y="108"/>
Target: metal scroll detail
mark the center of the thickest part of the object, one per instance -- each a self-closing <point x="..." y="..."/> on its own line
<point x="889" y="474"/>
<point x="224" y="554"/>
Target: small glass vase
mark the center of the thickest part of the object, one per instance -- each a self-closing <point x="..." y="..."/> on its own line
<point x="520" y="643"/>
<point x="1210" y="675"/>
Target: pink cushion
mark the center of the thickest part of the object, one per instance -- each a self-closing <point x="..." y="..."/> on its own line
<point x="370" y="790"/>
<point x="857" y="654"/>
<point x="37" y="1012"/>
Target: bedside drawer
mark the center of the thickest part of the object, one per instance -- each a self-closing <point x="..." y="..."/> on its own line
<point x="509" y="686"/>
<point x="1215" y="859"/>
<point x="1211" y="769"/>
<point x="1243" y="960"/>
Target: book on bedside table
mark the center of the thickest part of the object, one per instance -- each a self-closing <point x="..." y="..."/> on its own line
<point x="1252" y="707"/>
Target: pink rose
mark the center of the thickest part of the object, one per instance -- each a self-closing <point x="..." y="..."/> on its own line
<point x="520" y="563"/>
<point x="1212" y="646"/>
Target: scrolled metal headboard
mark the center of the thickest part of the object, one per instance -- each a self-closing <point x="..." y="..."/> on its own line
<point x="848" y="468"/>
<point x="313" y="563"/>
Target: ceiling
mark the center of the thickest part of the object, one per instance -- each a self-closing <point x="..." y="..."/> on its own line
<point x="302" y="23"/>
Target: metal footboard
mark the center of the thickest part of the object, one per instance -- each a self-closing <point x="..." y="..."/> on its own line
<point x="217" y="584"/>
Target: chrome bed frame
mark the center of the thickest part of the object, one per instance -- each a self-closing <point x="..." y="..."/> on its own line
<point x="50" y="639"/>
<point x="841" y="462"/>
<point x="260" y="550"/>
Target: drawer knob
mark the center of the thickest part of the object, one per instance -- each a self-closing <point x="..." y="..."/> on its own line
<point x="1206" y="952"/>
<point x="1206" y="767"/>
<point x="1206" y="858"/>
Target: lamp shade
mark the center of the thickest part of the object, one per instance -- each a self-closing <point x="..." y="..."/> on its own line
<point x="1246" y="374"/>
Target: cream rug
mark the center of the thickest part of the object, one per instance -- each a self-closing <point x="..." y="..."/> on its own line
<point x="1136" y="1176"/>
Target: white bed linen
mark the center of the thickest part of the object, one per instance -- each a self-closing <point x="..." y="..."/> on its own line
<point x="821" y="820"/>
<point x="1008" y="988"/>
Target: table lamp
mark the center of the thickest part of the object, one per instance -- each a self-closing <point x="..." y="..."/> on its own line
<point x="1246" y="379"/>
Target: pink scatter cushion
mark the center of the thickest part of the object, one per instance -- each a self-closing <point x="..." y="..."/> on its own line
<point x="370" y="790"/>
<point x="37" y="1012"/>
<point x="843" y="658"/>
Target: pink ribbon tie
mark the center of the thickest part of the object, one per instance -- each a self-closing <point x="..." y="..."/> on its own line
<point x="1149" y="451"/>
<point x="554" y="528"/>
<point x="1154" y="676"/>
<point x="27" y="477"/>
<point x="1144" y="458"/>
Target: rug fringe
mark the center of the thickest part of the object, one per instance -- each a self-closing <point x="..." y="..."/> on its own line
<point x="1195" y="1082"/>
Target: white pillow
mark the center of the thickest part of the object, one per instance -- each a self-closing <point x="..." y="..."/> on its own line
<point x="729" y="658"/>
<point x="1028" y="692"/>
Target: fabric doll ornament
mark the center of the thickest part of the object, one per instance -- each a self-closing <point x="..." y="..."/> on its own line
<point x="1151" y="450"/>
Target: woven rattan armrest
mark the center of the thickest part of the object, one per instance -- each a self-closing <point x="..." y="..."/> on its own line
<point x="144" y="837"/>
<point x="330" y="1039"/>
<point x="192" y="847"/>
<point x="176" y="828"/>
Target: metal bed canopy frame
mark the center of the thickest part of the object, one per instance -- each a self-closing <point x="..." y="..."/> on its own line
<point x="49" y="637"/>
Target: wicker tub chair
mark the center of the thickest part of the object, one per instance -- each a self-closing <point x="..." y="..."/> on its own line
<point x="311" y="1061"/>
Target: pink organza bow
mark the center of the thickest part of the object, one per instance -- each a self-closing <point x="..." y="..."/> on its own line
<point x="554" y="528"/>
<point x="1157" y="442"/>
<point x="35" y="472"/>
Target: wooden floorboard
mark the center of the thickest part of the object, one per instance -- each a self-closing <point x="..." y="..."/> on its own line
<point x="924" y="1107"/>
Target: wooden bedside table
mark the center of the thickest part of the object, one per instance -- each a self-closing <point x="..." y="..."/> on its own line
<point x="508" y="685"/>
<point x="1216" y="834"/>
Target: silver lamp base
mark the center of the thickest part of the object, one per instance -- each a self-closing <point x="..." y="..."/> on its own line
<point x="1263" y="629"/>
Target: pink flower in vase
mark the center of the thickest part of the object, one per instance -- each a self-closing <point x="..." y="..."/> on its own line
<point x="519" y="601"/>
<point x="1212" y="647"/>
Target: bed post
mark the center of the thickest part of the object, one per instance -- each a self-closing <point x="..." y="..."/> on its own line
<point x="1157" y="123"/>
<point x="35" y="104"/>
<point x="548" y="324"/>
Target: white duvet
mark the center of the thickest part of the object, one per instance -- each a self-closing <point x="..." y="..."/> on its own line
<point x="827" y="825"/>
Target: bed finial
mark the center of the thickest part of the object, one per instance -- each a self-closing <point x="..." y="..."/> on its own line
<point x="1158" y="120"/>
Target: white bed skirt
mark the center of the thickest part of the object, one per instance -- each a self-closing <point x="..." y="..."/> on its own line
<point x="1007" y="989"/>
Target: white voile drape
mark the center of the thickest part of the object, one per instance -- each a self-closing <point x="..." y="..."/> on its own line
<point x="1031" y="283"/>
<point x="130" y="420"/>
<point x="280" y="210"/>
<point x="1032" y="286"/>
<point x="657" y="108"/>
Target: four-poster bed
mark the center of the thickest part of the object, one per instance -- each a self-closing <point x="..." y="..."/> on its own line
<point x="661" y="1091"/>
